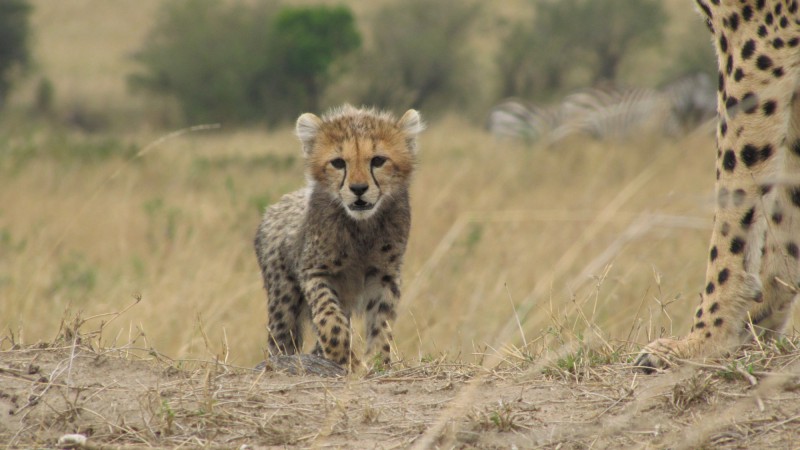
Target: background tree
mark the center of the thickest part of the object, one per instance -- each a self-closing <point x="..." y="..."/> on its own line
<point x="420" y="57"/>
<point x="611" y="29"/>
<point x="694" y="53"/>
<point x="576" y="42"/>
<point x="243" y="61"/>
<point x="306" y="41"/>
<point x="14" y="37"/>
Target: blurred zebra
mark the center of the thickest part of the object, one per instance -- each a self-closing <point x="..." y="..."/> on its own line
<point x="517" y="119"/>
<point x="693" y="99"/>
<point x="610" y="114"/>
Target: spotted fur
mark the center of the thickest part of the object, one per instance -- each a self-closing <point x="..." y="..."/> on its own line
<point x="753" y="274"/>
<point x="336" y="247"/>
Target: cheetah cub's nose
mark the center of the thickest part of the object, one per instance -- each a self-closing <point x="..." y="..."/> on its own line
<point x="359" y="189"/>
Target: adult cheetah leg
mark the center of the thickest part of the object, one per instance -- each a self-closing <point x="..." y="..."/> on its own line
<point x="330" y="322"/>
<point x="380" y="314"/>
<point x="752" y="272"/>
<point x="781" y="270"/>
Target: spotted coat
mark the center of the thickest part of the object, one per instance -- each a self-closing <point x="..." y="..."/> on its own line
<point x="752" y="274"/>
<point x="336" y="247"/>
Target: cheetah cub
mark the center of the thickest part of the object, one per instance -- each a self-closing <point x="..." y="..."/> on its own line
<point x="336" y="247"/>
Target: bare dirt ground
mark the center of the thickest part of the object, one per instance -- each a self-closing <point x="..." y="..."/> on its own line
<point x="116" y="399"/>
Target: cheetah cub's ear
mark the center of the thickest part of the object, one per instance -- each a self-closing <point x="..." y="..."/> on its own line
<point x="307" y="127"/>
<point x="412" y="125"/>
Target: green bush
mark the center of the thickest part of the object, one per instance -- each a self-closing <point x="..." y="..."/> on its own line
<point x="43" y="100"/>
<point x="14" y="37"/>
<point x="420" y="57"/>
<point x="306" y="43"/>
<point x="576" y="42"/>
<point x="239" y="62"/>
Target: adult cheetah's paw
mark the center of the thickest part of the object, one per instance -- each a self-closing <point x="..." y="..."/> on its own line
<point x="657" y="355"/>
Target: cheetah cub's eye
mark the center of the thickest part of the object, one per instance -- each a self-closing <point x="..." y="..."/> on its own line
<point x="338" y="163"/>
<point x="378" y="161"/>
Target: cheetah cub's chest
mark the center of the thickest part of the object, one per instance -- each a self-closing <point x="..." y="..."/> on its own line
<point x="336" y="247"/>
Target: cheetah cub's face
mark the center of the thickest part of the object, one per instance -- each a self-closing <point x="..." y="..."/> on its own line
<point x="360" y="157"/>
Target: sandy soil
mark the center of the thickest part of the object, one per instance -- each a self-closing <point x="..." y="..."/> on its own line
<point x="118" y="401"/>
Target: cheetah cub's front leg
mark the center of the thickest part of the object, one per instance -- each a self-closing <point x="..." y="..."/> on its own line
<point x="336" y="247"/>
<point x="331" y="322"/>
<point x="753" y="275"/>
<point x="381" y="295"/>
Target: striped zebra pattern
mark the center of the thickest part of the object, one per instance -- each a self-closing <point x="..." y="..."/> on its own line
<point x="608" y="114"/>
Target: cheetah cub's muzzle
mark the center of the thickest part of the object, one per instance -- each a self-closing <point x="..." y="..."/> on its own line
<point x="363" y="202"/>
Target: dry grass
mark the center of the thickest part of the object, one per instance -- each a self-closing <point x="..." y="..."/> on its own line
<point x="574" y="236"/>
<point x="530" y="276"/>
<point x="126" y="397"/>
<point x="581" y="244"/>
<point x="497" y="226"/>
<point x="132" y="306"/>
